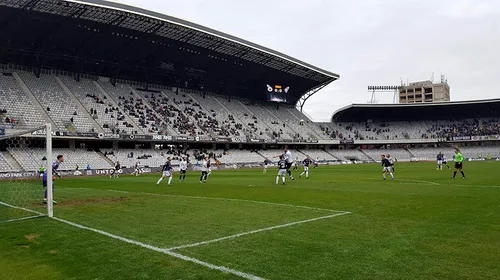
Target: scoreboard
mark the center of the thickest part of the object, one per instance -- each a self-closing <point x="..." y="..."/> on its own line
<point x="278" y="93"/>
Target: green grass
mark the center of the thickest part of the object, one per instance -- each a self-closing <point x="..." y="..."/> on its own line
<point x="423" y="225"/>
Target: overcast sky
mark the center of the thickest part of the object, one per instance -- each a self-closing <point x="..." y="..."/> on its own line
<point x="367" y="42"/>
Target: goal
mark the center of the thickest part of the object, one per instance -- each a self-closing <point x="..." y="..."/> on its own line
<point x="25" y="154"/>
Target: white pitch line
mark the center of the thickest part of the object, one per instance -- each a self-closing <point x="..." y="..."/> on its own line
<point x="233" y="199"/>
<point x="420" y="181"/>
<point x="23" y="218"/>
<point x="20" y="208"/>
<point x="165" y="251"/>
<point x="255" y="231"/>
<point x="150" y="247"/>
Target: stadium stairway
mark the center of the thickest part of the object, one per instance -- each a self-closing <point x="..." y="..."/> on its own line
<point x="147" y="104"/>
<point x="171" y="95"/>
<point x="368" y="156"/>
<point x="115" y="105"/>
<point x="263" y="156"/>
<point x="39" y="106"/>
<point x="408" y="150"/>
<point x="81" y="108"/>
<point x="271" y="130"/>
<point x="107" y="159"/>
<point x="326" y="151"/>
<point x="11" y="161"/>
<point x="289" y="126"/>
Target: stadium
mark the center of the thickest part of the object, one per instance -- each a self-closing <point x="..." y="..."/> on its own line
<point x="119" y="91"/>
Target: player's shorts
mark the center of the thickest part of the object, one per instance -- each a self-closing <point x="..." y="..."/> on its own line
<point x="167" y="173"/>
<point x="458" y="165"/>
<point x="387" y="169"/>
<point x="306" y="168"/>
<point x="266" y="166"/>
<point x="288" y="165"/>
<point x="440" y="162"/>
<point x="282" y="172"/>
<point x="44" y="182"/>
<point x="183" y="171"/>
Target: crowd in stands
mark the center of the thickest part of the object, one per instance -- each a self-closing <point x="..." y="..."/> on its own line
<point x="188" y="114"/>
<point x="146" y="117"/>
<point x="470" y="127"/>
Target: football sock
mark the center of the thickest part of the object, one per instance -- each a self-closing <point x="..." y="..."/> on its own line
<point x="170" y="180"/>
<point x="283" y="179"/>
<point x="159" y="181"/>
<point x="463" y="174"/>
<point x="277" y="179"/>
<point x="454" y="174"/>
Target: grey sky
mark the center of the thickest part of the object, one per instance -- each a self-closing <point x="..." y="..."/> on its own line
<point x="367" y="42"/>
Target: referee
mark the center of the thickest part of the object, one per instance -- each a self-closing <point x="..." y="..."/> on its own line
<point x="459" y="159"/>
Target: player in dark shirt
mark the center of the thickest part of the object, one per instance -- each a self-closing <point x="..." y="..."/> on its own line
<point x="306" y="162"/>
<point x="439" y="159"/>
<point x="116" y="172"/>
<point x="283" y="167"/>
<point x="55" y="167"/>
<point x="166" y="172"/>
<point x="386" y="167"/>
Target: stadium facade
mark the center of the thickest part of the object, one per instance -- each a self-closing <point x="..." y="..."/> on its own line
<point x="113" y="79"/>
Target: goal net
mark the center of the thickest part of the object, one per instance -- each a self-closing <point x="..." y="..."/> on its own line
<point x="25" y="155"/>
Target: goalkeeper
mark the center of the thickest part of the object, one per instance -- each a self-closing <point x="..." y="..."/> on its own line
<point x="55" y="167"/>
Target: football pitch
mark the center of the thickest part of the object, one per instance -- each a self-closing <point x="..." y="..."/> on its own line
<point x="344" y="222"/>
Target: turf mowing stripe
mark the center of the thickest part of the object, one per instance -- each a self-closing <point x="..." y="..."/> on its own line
<point x="165" y="251"/>
<point x="150" y="247"/>
<point x="256" y="231"/>
<point x="20" y="208"/>
<point x="229" y="199"/>
<point x="22" y="219"/>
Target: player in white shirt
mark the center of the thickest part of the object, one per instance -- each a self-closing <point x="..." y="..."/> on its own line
<point x="183" y="165"/>
<point x="296" y="164"/>
<point x="136" y="169"/>
<point x="288" y="158"/>
<point x="267" y="164"/>
<point x="209" y="164"/>
<point x="204" y="170"/>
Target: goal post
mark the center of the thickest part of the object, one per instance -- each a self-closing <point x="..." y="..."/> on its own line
<point x="25" y="154"/>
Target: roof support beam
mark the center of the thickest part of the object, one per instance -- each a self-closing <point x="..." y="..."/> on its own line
<point x="302" y="100"/>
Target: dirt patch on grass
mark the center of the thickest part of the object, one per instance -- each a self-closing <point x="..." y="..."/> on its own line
<point x="32" y="236"/>
<point x="53" y="252"/>
<point x="91" y="201"/>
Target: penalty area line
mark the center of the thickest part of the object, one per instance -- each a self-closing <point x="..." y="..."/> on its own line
<point x="215" y="198"/>
<point x="164" y="251"/>
<point x="147" y="246"/>
<point x="234" y="199"/>
<point x="256" y="231"/>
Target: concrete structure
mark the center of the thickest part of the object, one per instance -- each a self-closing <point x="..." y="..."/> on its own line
<point x="426" y="91"/>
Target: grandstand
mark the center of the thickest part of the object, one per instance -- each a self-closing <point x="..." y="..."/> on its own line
<point x="122" y="84"/>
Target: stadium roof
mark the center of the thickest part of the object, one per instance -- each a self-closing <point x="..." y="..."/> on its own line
<point x="120" y="41"/>
<point x="418" y="111"/>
